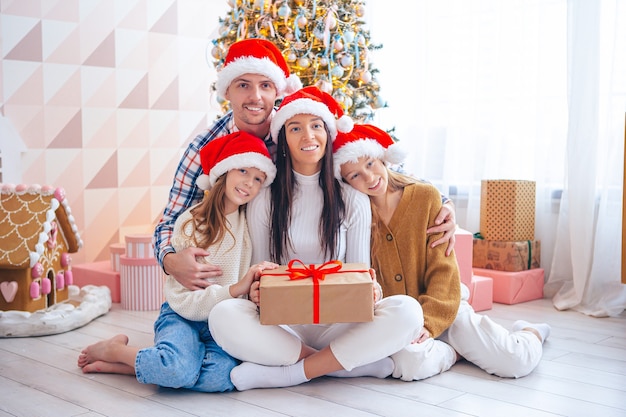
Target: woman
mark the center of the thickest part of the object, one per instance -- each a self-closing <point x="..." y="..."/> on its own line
<point x="310" y="216"/>
<point x="184" y="354"/>
<point x="405" y="263"/>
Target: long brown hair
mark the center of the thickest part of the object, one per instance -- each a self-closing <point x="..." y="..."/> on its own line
<point x="209" y="217"/>
<point x="283" y="190"/>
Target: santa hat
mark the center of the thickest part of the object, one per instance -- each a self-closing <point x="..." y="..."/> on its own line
<point x="312" y="100"/>
<point x="256" y="56"/>
<point x="234" y="151"/>
<point x="365" y="140"/>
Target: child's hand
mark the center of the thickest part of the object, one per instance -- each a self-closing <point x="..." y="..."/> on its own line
<point x="377" y="289"/>
<point x="255" y="294"/>
<point x="254" y="273"/>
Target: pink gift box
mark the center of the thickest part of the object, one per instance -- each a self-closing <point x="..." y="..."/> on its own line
<point x="98" y="273"/>
<point x="481" y="297"/>
<point x="116" y="250"/>
<point x="463" y="249"/>
<point x="141" y="281"/>
<point x="515" y="287"/>
<point x="139" y="246"/>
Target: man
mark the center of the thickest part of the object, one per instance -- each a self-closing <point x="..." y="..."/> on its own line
<point x="255" y="74"/>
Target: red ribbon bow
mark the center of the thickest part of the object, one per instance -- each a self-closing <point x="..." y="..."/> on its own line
<point x="317" y="274"/>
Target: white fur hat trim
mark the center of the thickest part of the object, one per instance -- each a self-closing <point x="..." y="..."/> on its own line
<point x="303" y="106"/>
<point x="251" y="65"/>
<point x="352" y="151"/>
<point x="243" y="160"/>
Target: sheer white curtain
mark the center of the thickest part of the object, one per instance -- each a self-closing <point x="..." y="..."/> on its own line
<point x="586" y="267"/>
<point x="479" y="89"/>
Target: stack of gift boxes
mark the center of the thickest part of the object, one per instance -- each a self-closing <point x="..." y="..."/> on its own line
<point x="132" y="274"/>
<point x="506" y="250"/>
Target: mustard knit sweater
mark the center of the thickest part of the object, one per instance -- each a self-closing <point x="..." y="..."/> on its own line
<point x="406" y="264"/>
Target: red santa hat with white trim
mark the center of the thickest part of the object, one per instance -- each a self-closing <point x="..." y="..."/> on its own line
<point x="311" y="100"/>
<point x="257" y="56"/>
<point x="234" y="151"/>
<point x="365" y="140"/>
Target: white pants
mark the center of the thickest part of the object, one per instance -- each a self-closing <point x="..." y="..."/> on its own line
<point x="479" y="340"/>
<point x="235" y="326"/>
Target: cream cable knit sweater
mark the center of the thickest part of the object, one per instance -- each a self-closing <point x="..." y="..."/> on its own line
<point x="233" y="256"/>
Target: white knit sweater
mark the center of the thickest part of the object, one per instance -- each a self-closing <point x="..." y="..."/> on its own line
<point x="232" y="255"/>
<point x="354" y="234"/>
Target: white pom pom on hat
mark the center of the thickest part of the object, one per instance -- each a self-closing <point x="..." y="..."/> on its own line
<point x="312" y="100"/>
<point x="365" y="140"/>
<point x="256" y="56"/>
<point x="234" y="151"/>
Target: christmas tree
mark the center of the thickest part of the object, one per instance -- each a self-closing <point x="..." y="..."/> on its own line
<point x="323" y="41"/>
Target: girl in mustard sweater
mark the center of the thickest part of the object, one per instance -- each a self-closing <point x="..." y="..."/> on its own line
<point x="405" y="263"/>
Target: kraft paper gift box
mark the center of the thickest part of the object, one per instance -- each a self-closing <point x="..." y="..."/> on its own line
<point x="515" y="287"/>
<point x="333" y="292"/>
<point x="506" y="256"/>
<point x="507" y="210"/>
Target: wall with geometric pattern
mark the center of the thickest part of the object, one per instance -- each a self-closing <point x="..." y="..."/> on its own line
<point x="100" y="97"/>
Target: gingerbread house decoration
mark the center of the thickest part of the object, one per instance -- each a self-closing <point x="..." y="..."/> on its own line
<point x="37" y="236"/>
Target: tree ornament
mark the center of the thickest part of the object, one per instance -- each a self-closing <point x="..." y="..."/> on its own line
<point x="302" y="22"/>
<point x="346" y="60"/>
<point x="325" y="86"/>
<point x="304" y="62"/>
<point x="366" y="77"/>
<point x="348" y="36"/>
<point x="284" y="11"/>
<point x="337" y="71"/>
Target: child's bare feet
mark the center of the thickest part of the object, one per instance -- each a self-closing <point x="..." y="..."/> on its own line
<point x="108" y="368"/>
<point x="102" y="351"/>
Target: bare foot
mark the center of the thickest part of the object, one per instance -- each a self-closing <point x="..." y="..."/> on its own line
<point x="102" y="351"/>
<point x="108" y="368"/>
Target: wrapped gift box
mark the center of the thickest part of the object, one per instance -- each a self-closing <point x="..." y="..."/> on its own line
<point x="116" y="250"/>
<point x="506" y="256"/>
<point x="141" y="284"/>
<point x="98" y="273"/>
<point x="514" y="287"/>
<point x="139" y="246"/>
<point x="463" y="253"/>
<point x="507" y="210"/>
<point x="328" y="293"/>
<point x="481" y="293"/>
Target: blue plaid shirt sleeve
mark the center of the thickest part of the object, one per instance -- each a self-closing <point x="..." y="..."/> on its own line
<point x="184" y="193"/>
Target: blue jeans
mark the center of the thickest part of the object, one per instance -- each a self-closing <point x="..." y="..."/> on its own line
<point x="184" y="355"/>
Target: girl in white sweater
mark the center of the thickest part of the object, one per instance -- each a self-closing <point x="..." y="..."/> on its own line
<point x="308" y="215"/>
<point x="184" y="355"/>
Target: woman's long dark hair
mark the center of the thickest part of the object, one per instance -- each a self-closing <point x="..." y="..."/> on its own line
<point x="283" y="190"/>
